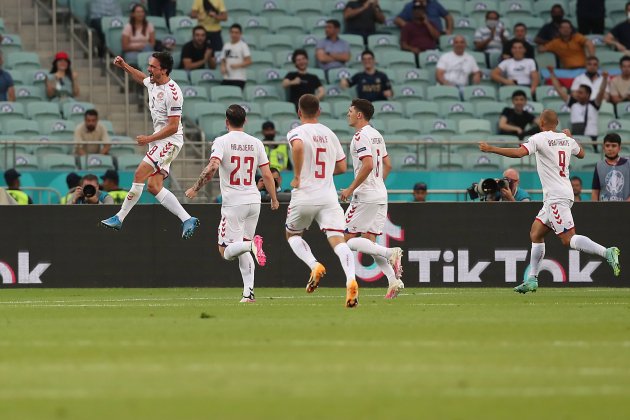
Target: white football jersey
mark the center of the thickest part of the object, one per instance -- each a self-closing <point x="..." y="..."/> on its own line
<point x="240" y="155"/>
<point x="368" y="143"/>
<point x="553" y="156"/>
<point x="166" y="101"/>
<point x="322" y="151"/>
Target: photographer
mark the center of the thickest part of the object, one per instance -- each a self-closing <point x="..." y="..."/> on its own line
<point x="512" y="192"/>
<point x="504" y="189"/>
<point x="88" y="192"/>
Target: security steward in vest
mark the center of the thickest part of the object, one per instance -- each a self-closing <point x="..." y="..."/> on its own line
<point x="110" y="185"/>
<point x="278" y="154"/>
<point x="12" y="178"/>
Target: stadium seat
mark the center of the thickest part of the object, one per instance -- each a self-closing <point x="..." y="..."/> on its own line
<point x="394" y="60"/>
<point x="80" y="9"/>
<point x="335" y="75"/>
<point x="490" y="111"/>
<point x="479" y="161"/>
<point x="421" y="109"/>
<point x="160" y="27"/>
<point x="253" y="126"/>
<point x="386" y="110"/>
<point x="405" y="161"/>
<point x="609" y="59"/>
<point x="535" y="108"/>
<point x="276" y="111"/>
<point x="206" y="110"/>
<point x="261" y="60"/>
<point x="606" y="111"/>
<point x="403" y="126"/>
<point x="205" y="77"/>
<point x="326" y="110"/>
<point x="616" y="11"/>
<point x="480" y="58"/>
<point x="353" y="40"/>
<point x="270" y="76"/>
<point x="263" y="94"/>
<point x="339" y="109"/>
<point x="419" y="78"/>
<point x="119" y="149"/>
<point x="57" y="128"/>
<point x="36" y="77"/>
<point x="254" y="26"/>
<point x="443" y="93"/>
<point x="22" y="61"/>
<point x="335" y="94"/>
<point x="43" y="110"/>
<point x="619" y="126"/>
<point x="439" y="126"/>
<point x="275" y="42"/>
<point x="505" y="93"/>
<point x="588" y="163"/>
<point x="48" y="144"/>
<point x="469" y="126"/>
<point x="11" y="111"/>
<point x="465" y="143"/>
<point x="75" y="111"/>
<point x="96" y="162"/>
<point x="598" y="42"/>
<point x="545" y="59"/>
<point x="542" y="8"/>
<point x="241" y="8"/>
<point x="380" y="43"/>
<point x="478" y="8"/>
<point x="20" y="127"/>
<point x="112" y="29"/>
<point x="316" y="26"/>
<point x="253" y="110"/>
<point x="406" y="94"/>
<point x="226" y="94"/>
<point x="516" y="9"/>
<point x="288" y="25"/>
<point x="11" y="43"/>
<point x="180" y="76"/>
<point x="128" y="162"/>
<point x="193" y="95"/>
<point x="26" y="162"/>
<point x="183" y="6"/>
<point x="213" y="128"/>
<point x="451" y="161"/>
<point x="109" y="126"/>
<point x="274" y="8"/>
<point x="56" y="162"/>
<point x="623" y="110"/>
<point x="465" y="26"/>
<point x="456" y="110"/>
<point x="28" y="93"/>
<point x="334" y="8"/>
<point x="454" y="7"/>
<point x="546" y="92"/>
<point x="446" y="41"/>
<point x="181" y="28"/>
<point x="17" y="76"/>
<point x="479" y="93"/>
<point x="340" y="128"/>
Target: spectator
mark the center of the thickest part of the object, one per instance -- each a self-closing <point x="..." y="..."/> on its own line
<point x="7" y="89"/>
<point x="619" y="36"/>
<point x="569" y="47"/>
<point x="361" y="17"/>
<point x="235" y="58"/>
<point x="72" y="180"/>
<point x="434" y="10"/>
<point x="64" y="83"/>
<point x="12" y="178"/>
<point x="611" y="180"/>
<point x="164" y="8"/>
<point x="514" y="121"/>
<point x="210" y="14"/>
<point x="89" y="192"/>
<point x="590" y="16"/>
<point x="278" y="154"/>
<point x="100" y="9"/>
<point x="590" y="78"/>
<point x="584" y="111"/>
<point x="551" y="30"/>
<point x="513" y="192"/>
<point x="92" y="131"/>
<point x="492" y="36"/>
<point x="301" y="81"/>
<point x="420" y="192"/>
<point x="110" y="185"/>
<point x="520" y="34"/>
<point x="517" y="70"/>
<point x="620" y="85"/>
<point x="455" y="68"/>
<point x="371" y="84"/>
<point x="576" y="184"/>
<point x="332" y="52"/>
<point x="5" y="198"/>
<point x="138" y="35"/>
<point x="198" y="53"/>
<point x="419" y="34"/>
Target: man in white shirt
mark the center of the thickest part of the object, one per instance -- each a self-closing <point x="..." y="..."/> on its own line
<point x="317" y="156"/>
<point x="237" y="156"/>
<point x="235" y="58"/>
<point x="165" y="101"/>
<point x="367" y="212"/>
<point x="517" y="70"/>
<point x="553" y="156"/>
<point x="455" y="68"/>
<point x="590" y="77"/>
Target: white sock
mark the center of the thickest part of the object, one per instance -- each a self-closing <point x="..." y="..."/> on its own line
<point x="236" y="249"/>
<point x="585" y="244"/>
<point x="366" y="246"/>
<point x="386" y="268"/>
<point x="132" y="198"/>
<point x="346" y="257"/>
<point x="246" y="264"/>
<point x="168" y="200"/>
<point x="302" y="250"/>
<point x="536" y="256"/>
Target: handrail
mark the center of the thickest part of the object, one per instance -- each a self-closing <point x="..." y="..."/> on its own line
<point x="87" y="48"/>
<point x="51" y="12"/>
<point x="40" y="191"/>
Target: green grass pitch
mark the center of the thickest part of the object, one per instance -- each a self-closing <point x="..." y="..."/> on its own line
<point x="431" y="354"/>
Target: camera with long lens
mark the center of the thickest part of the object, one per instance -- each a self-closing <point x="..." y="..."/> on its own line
<point x="487" y="189"/>
<point x="89" y="191"/>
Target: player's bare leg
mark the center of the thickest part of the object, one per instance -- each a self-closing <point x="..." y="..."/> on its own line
<point x="303" y="251"/>
<point x="242" y="251"/>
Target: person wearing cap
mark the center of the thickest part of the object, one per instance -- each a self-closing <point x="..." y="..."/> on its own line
<point x="197" y="53"/>
<point x="92" y="131"/>
<point x="420" y="192"/>
<point x="110" y="185"/>
<point x="63" y="82"/>
<point x="12" y="178"/>
<point x="278" y="153"/>
<point x="72" y="180"/>
<point x="89" y="192"/>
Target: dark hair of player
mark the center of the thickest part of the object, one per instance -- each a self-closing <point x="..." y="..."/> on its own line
<point x="235" y="114"/>
<point x="165" y="60"/>
<point x="309" y="105"/>
<point x="365" y="107"/>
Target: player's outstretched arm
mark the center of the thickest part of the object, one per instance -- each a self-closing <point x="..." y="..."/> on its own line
<point x="297" y="153"/>
<point x="205" y="177"/>
<point x="366" y="167"/>
<point x="511" y="152"/>
<point x="270" y="185"/>
<point x="136" y="74"/>
<point x="387" y="167"/>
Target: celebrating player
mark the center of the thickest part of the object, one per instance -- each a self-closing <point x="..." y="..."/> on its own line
<point x="165" y="101"/>
<point x="553" y="156"/>
<point x="367" y="212"/>
<point x="237" y="155"/>
<point x="317" y="156"/>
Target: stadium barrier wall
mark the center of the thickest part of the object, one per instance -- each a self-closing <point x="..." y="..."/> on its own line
<point x="445" y="244"/>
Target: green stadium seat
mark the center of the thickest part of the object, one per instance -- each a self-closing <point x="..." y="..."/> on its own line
<point x="542" y="8"/>
<point x="213" y="128"/>
<point x="316" y="25"/>
<point x="275" y="42"/>
<point x="284" y="126"/>
<point x="253" y="110"/>
<point x="465" y="26"/>
<point x="545" y="59"/>
<point x="446" y="41"/>
<point x="26" y="162"/>
<point x="75" y="111"/>
<point x="17" y="76"/>
<point x="109" y="126"/>
<point x="119" y="149"/>
<point x="307" y="42"/>
<point x="57" y="128"/>
<point x="2" y="27"/>
<point x="516" y="9"/>
<point x="505" y="93"/>
<point x="283" y="60"/>
<point x="326" y="110"/>
<point x="48" y="144"/>
<point x="533" y="23"/>
<point x="205" y="77"/>
<point x="335" y="75"/>
<point x="616" y="11"/>
<point x="8" y="151"/>
<point x="469" y="126"/>
<point x="288" y="25"/>
<point x="56" y="162"/>
<point x="270" y="76"/>
<point x="405" y="161"/>
<point x="43" y="110"/>
<point x="454" y="7"/>
<point x="490" y="111"/>
<point x="421" y="109"/>
<point x="335" y="94"/>
<point x="355" y="58"/>
<point x="263" y="94"/>
<point x="261" y="60"/>
<point x="456" y="110"/>
<point x="161" y="29"/>
<point x="37" y="77"/>
<point x="11" y="43"/>
<point x="11" y="111"/>
<point x="440" y="126"/>
<point x="339" y="109"/>
<point x="112" y="29"/>
<point x="396" y="59"/>
<point x="97" y="162"/>
<point x="276" y="110"/>
<point x="444" y="93"/>
<point x="339" y="127"/>
<point x="606" y="111"/>
<point x="353" y="40"/>
<point x="193" y="95"/>
<point x="22" y="61"/>
<point x="242" y="8"/>
<point x="479" y="161"/>
<point x="380" y="43"/>
<point x="406" y="94"/>
<point x="183" y="6"/>
<point x="28" y="93"/>
<point x="452" y="161"/>
<point x="321" y="75"/>
<point x="143" y="60"/>
<point x="21" y="127"/>
<point x="588" y="163"/>
<point x="419" y="78"/>
<point x="465" y="143"/>
<point x="305" y="8"/>
<point x="274" y="8"/>
<point x="181" y="27"/>
<point x="479" y="93"/>
<point x="480" y="58"/>
<point x="619" y="126"/>
<point x="180" y="76"/>
<point x="386" y="110"/>
<point x="253" y="126"/>
<point x="206" y="110"/>
<point x="623" y="110"/>
<point x="226" y="94"/>
<point x="478" y="8"/>
<point x="546" y="92"/>
<point x="128" y="162"/>
<point x="377" y="124"/>
<point x="598" y="42"/>
<point x="80" y="9"/>
<point x="403" y="126"/>
<point x="255" y="26"/>
<point x="609" y="59"/>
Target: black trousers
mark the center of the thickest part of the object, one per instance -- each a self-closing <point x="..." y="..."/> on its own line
<point x="164" y="8"/>
<point x="588" y="25"/>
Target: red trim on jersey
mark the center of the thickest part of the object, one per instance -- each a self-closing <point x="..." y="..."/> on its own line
<point x="536" y="218"/>
<point x="297" y="138"/>
<point x="364" y="156"/>
<point x="264" y="164"/>
<point x="333" y="230"/>
<point x="214" y="157"/>
<point x="385" y="156"/>
<point x="344" y="158"/>
<point x="525" y="147"/>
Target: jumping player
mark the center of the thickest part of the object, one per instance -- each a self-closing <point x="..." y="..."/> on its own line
<point x="166" y="101"/>
<point x="553" y="155"/>
<point x="237" y="155"/>
<point x="317" y="156"/>
<point x="367" y="212"/>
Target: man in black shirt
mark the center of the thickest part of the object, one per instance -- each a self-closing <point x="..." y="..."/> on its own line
<point x="619" y="36"/>
<point x="198" y="52"/>
<point x="361" y="16"/>
<point x="372" y="85"/>
<point x="551" y="30"/>
<point x="301" y="82"/>
<point x="590" y="16"/>
<point x="520" y="34"/>
<point x="514" y="121"/>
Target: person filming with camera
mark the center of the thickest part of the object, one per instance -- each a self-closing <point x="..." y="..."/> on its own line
<point x="512" y="192"/>
<point x="89" y="192"/>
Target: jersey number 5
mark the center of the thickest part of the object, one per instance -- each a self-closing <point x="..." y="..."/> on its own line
<point x="247" y="161"/>
<point x="562" y="162"/>
<point x="320" y="172"/>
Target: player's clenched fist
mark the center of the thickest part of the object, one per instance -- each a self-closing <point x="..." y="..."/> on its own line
<point x="484" y="147"/>
<point x="275" y="204"/>
<point x="142" y="140"/>
<point x="295" y="183"/>
<point x="118" y="61"/>
<point x="191" y="193"/>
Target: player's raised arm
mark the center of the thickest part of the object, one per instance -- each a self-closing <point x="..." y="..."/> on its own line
<point x="136" y="74"/>
<point x="511" y="152"/>
<point x="205" y="177"/>
<point x="387" y="167"/>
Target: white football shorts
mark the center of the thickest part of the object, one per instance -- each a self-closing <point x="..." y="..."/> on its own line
<point x="366" y="218"/>
<point x="160" y="155"/>
<point x="238" y="223"/>
<point x="557" y="216"/>
<point x="329" y="217"/>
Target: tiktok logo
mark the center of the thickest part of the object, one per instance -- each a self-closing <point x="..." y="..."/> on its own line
<point x="372" y="272"/>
